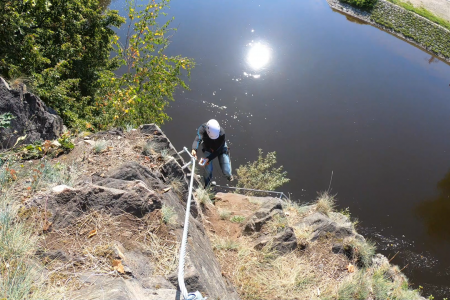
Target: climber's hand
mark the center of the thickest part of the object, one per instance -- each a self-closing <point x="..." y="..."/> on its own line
<point x="194" y="153"/>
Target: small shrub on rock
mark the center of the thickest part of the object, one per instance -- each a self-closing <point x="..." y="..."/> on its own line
<point x="261" y="174"/>
<point x="237" y="219"/>
<point x="5" y="120"/>
<point x="363" y="4"/>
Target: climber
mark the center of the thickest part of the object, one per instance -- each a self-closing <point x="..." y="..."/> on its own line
<point x="212" y="136"/>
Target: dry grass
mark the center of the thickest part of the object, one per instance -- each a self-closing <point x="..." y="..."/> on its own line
<point x="310" y="272"/>
<point x="325" y="203"/>
<point x="203" y="196"/>
<point x="363" y="251"/>
<point x="224" y="214"/>
<point x="95" y="254"/>
<point x="264" y="275"/>
<point x="168" y="215"/>
<point x="178" y="186"/>
<point x="150" y="148"/>
<point x="20" y="276"/>
<point x="375" y="283"/>
<point x="277" y="224"/>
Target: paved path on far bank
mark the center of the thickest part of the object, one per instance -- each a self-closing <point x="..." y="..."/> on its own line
<point x="440" y="8"/>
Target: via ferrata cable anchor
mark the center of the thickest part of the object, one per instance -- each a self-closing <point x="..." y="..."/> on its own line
<point x="196" y="296"/>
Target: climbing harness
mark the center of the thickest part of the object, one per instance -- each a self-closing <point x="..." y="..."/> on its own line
<point x="197" y="295"/>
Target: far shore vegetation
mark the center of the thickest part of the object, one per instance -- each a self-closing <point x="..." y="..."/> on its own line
<point x="421" y="11"/>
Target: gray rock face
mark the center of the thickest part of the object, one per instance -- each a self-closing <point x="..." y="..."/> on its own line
<point x="122" y="289"/>
<point x="270" y="208"/>
<point x="67" y="204"/>
<point x="135" y="189"/>
<point x="323" y="226"/>
<point x="32" y="117"/>
<point x="283" y="243"/>
<point x="130" y="171"/>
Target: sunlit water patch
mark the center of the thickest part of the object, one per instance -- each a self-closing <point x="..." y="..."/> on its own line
<point x="258" y="56"/>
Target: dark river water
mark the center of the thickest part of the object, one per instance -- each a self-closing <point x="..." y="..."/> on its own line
<point x="328" y="94"/>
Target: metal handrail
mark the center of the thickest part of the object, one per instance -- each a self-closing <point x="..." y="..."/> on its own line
<point x="197" y="295"/>
<point x="253" y="190"/>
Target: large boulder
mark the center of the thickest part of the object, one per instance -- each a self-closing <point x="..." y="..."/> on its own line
<point x="31" y="117"/>
<point x="283" y="243"/>
<point x="269" y="208"/>
<point x="66" y="204"/>
<point x="323" y="226"/>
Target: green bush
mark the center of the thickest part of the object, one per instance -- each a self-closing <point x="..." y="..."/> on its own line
<point x="62" y="46"/>
<point x="69" y="52"/>
<point x="261" y="174"/>
<point x="364" y="4"/>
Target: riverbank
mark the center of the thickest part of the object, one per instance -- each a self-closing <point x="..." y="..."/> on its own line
<point x="404" y="24"/>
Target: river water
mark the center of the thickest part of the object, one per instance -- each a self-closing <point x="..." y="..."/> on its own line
<point x="329" y="95"/>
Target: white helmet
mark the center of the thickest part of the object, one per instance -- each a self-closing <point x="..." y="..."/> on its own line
<point x="213" y="129"/>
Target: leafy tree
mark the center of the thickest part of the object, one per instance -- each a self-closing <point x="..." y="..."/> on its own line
<point x="62" y="46"/>
<point x="149" y="76"/>
<point x="261" y="174"/>
<point x="69" y="52"/>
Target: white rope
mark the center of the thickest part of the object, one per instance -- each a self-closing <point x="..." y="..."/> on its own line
<point x="181" y="283"/>
<point x="197" y="295"/>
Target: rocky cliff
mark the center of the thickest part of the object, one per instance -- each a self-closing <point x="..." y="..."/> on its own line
<point x="32" y="118"/>
<point x="109" y="217"/>
<point x="120" y="226"/>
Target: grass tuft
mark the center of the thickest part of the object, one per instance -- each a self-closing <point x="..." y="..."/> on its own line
<point x="363" y="251"/>
<point x="237" y="219"/>
<point x="224" y="214"/>
<point x="100" y="146"/>
<point x="150" y="148"/>
<point x="277" y="224"/>
<point x="203" y="196"/>
<point x="168" y="215"/>
<point x="325" y="203"/>
<point x="178" y="185"/>
<point x="165" y="154"/>
<point x="356" y="287"/>
<point x="225" y="244"/>
<point x="129" y="127"/>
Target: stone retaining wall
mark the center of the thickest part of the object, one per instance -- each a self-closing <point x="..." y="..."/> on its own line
<point x="404" y="24"/>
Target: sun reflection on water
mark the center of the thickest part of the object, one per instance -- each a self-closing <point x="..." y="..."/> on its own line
<point x="258" y="56"/>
